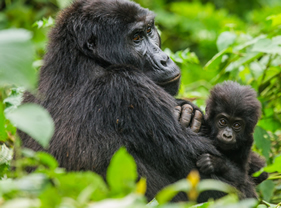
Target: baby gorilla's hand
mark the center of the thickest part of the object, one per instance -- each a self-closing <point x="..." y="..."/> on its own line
<point x="206" y="164"/>
<point x="188" y="117"/>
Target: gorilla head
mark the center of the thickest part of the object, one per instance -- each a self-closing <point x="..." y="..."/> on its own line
<point x="111" y="32"/>
<point x="232" y="111"/>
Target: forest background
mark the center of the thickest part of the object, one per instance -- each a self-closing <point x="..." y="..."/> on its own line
<point x="211" y="41"/>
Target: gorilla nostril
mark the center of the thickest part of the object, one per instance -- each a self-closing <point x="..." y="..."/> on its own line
<point x="164" y="63"/>
<point x="227" y="136"/>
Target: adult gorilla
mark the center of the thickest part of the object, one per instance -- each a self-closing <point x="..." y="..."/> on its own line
<point x="107" y="84"/>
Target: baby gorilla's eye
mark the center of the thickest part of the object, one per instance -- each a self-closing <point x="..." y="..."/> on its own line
<point x="236" y="125"/>
<point x="222" y="122"/>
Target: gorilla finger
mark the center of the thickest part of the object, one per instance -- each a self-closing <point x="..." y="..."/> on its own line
<point x="207" y="169"/>
<point x="186" y="115"/>
<point x="203" y="159"/>
<point x="197" y="121"/>
<point x="177" y="112"/>
<point x="201" y="162"/>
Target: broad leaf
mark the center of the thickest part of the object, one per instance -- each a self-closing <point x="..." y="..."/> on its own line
<point x="167" y="193"/>
<point x="272" y="46"/>
<point x="16" y="57"/>
<point x="225" y="40"/>
<point x="35" y="121"/>
<point x="262" y="141"/>
<point x="122" y="172"/>
<point x="267" y="189"/>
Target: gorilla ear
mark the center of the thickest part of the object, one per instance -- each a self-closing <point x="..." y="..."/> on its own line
<point x="91" y="43"/>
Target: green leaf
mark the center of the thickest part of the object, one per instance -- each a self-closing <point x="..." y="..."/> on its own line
<point x="122" y="172"/>
<point x="33" y="120"/>
<point x="167" y="193"/>
<point x="210" y="184"/>
<point x="217" y="59"/>
<point x="246" y="203"/>
<point x="75" y="185"/>
<point x="63" y="3"/>
<point x="31" y="184"/>
<point x="272" y="46"/>
<point x="267" y="189"/>
<point x="248" y="43"/>
<point x="3" y="134"/>
<point x="262" y="206"/>
<point x="262" y="141"/>
<point x="21" y="203"/>
<point x="44" y="22"/>
<point x="275" y="166"/>
<point x="14" y="99"/>
<point x="130" y="201"/>
<point x="5" y="154"/>
<point x="225" y="40"/>
<point x="245" y="59"/>
<point x="16" y="57"/>
<point x="276" y="19"/>
<point x="47" y="159"/>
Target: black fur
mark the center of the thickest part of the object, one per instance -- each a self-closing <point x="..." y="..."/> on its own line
<point x="100" y="88"/>
<point x="238" y="162"/>
<point x="101" y="96"/>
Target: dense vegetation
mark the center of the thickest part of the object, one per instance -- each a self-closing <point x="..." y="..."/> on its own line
<point x="211" y="41"/>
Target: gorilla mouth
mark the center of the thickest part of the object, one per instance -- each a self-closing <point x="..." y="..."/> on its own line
<point x="170" y="80"/>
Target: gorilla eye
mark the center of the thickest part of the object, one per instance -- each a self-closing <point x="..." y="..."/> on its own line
<point x="137" y="37"/>
<point x="222" y="122"/>
<point x="148" y="30"/>
<point x="236" y="125"/>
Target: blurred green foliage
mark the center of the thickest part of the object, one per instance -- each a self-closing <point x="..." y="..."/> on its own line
<point x="211" y="41"/>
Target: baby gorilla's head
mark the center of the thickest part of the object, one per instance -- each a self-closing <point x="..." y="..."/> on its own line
<point x="232" y="112"/>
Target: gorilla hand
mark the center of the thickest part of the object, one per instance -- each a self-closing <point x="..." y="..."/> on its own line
<point x="188" y="117"/>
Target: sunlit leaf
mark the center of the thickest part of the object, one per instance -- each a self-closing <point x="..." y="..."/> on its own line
<point x="76" y="185"/>
<point x="210" y="184"/>
<point x="167" y="193"/>
<point x="141" y="186"/>
<point x="5" y="154"/>
<point x="21" y="203"/>
<point x="35" y="121"/>
<point x="276" y="19"/>
<point x="32" y="184"/>
<point x="122" y="172"/>
<point x="47" y="160"/>
<point x="63" y="3"/>
<point x="130" y="201"/>
<point x="225" y="40"/>
<point x="16" y="57"/>
<point x="275" y="166"/>
<point x="272" y="46"/>
<point x="246" y="203"/>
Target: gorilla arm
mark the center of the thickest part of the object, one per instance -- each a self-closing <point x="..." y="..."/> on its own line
<point x="255" y="164"/>
<point x="140" y="114"/>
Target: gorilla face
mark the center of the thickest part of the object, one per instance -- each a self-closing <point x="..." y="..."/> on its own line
<point x="121" y="32"/>
<point x="157" y="64"/>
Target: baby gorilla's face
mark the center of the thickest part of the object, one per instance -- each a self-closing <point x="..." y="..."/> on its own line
<point x="228" y="130"/>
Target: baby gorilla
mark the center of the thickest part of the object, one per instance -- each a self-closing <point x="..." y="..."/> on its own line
<point x="231" y="115"/>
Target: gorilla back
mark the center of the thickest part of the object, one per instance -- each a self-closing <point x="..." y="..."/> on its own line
<point x="107" y="84"/>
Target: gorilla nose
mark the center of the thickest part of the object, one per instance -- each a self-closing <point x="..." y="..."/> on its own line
<point x="164" y="61"/>
<point x="227" y="136"/>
